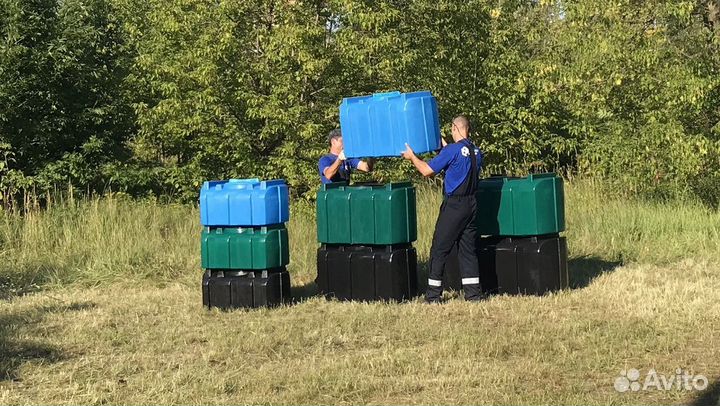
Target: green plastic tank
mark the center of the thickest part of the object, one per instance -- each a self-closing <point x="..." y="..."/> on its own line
<point x="508" y="206"/>
<point x="366" y="214"/>
<point x="244" y="248"/>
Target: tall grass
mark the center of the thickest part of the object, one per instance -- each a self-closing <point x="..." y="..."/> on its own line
<point x="100" y="240"/>
<point x="634" y="230"/>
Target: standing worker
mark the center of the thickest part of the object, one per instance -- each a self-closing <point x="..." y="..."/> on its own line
<point x="334" y="167"/>
<point x="461" y="162"/>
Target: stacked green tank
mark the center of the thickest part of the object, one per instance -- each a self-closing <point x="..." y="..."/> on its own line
<point x="250" y="248"/>
<point x="534" y="205"/>
<point x="366" y="214"/>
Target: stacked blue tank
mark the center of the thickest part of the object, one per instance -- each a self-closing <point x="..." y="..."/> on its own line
<point x="244" y="202"/>
<point x="381" y="124"/>
<point x="244" y="243"/>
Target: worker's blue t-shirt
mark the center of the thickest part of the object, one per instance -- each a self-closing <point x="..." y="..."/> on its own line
<point x="454" y="159"/>
<point x="343" y="173"/>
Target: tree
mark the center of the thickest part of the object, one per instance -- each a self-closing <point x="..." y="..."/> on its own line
<point x="62" y="108"/>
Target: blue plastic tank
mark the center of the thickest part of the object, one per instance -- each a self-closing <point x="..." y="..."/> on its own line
<point x="244" y="203"/>
<point x="381" y="124"/>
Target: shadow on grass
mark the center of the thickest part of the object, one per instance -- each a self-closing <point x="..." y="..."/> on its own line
<point x="304" y="292"/>
<point x="583" y="270"/>
<point x="21" y="283"/>
<point x="16" y="351"/>
<point x="710" y="396"/>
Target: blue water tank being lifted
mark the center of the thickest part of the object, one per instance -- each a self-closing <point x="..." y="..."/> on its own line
<point x="381" y="124"/>
<point x="244" y="203"/>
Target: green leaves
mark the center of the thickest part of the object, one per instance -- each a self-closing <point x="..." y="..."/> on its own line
<point x="61" y="66"/>
<point x="157" y="96"/>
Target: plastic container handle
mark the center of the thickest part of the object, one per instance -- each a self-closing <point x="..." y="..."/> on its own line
<point x="333" y="185"/>
<point x="270" y="183"/>
<point x="385" y="95"/>
<point x="542" y="175"/>
<point x="398" y="185"/>
<point x="250" y="180"/>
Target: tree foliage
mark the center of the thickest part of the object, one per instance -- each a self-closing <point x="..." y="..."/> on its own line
<point x="63" y="108"/>
<point x="153" y="97"/>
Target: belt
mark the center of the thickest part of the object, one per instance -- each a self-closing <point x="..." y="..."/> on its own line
<point x="458" y="196"/>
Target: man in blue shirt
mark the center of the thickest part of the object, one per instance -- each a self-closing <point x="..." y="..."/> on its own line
<point x="334" y="167"/>
<point x="461" y="162"/>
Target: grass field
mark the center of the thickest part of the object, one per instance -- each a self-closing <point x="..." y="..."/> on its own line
<point x="113" y="315"/>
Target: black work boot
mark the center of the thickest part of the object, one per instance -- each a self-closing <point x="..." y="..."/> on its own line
<point x="473" y="293"/>
<point x="433" y="294"/>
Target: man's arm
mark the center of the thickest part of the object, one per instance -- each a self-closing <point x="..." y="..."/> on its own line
<point x="332" y="169"/>
<point x="419" y="164"/>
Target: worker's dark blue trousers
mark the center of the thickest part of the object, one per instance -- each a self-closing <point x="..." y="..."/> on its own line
<point x="455" y="223"/>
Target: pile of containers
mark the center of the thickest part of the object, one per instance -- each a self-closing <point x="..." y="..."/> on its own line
<point x="521" y="250"/>
<point x="244" y="243"/>
<point x="366" y="233"/>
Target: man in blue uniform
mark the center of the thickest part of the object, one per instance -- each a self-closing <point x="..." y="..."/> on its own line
<point x="334" y="167"/>
<point x="461" y="162"/>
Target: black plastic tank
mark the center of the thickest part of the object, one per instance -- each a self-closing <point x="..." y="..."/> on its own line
<point x="532" y="265"/>
<point x="246" y="289"/>
<point x="367" y="272"/>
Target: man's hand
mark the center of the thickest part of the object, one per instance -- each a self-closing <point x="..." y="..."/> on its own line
<point x="419" y="164"/>
<point x="367" y="165"/>
<point x="342" y="155"/>
<point x="408" y="154"/>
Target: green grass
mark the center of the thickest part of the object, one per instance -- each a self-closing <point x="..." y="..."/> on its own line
<point x="628" y="230"/>
<point x="117" y="316"/>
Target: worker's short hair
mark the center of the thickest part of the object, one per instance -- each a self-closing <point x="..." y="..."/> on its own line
<point x="334" y="134"/>
<point x="462" y="121"/>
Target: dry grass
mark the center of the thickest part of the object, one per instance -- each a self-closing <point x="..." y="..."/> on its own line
<point x="121" y="321"/>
